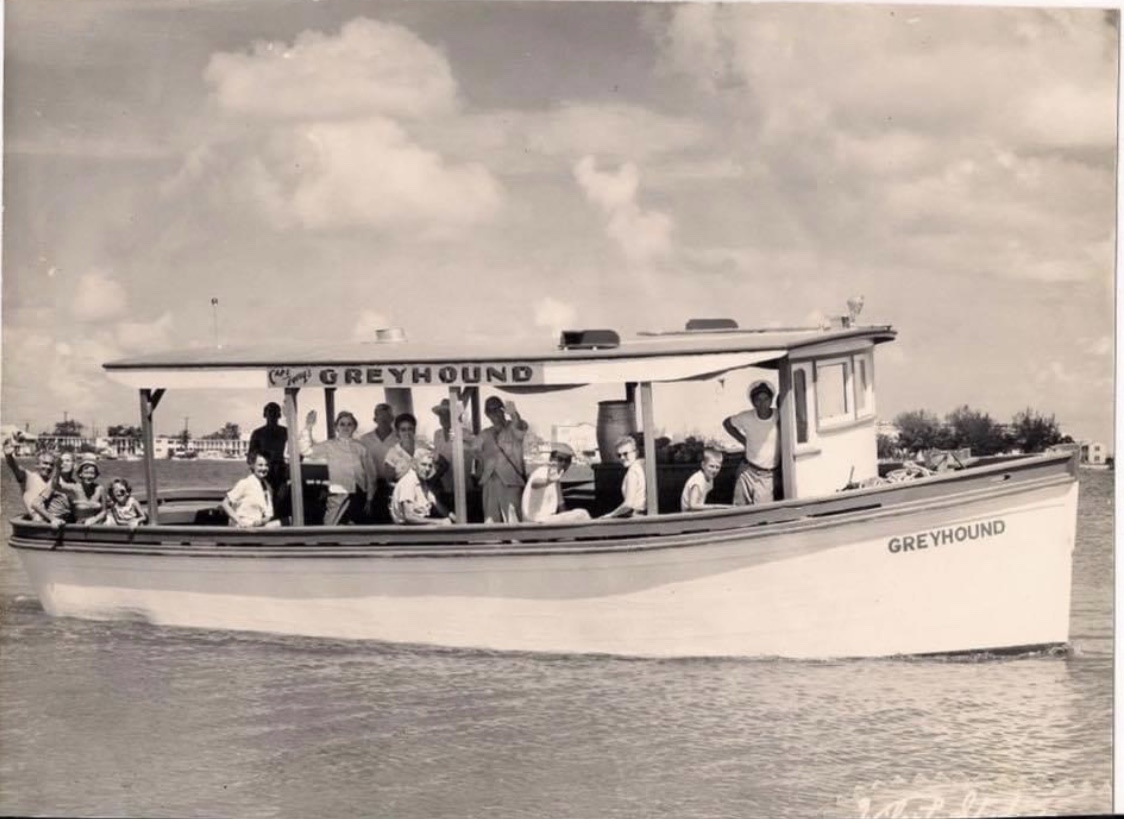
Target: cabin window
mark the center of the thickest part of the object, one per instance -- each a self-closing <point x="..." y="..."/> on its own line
<point x="833" y="391"/>
<point x="800" y="401"/>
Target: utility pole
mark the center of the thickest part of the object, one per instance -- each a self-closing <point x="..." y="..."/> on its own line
<point x="215" y="319"/>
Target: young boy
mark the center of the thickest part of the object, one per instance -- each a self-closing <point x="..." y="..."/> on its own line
<point x="700" y="484"/>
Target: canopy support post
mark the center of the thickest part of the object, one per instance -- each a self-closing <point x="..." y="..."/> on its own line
<point x="296" y="483"/>
<point x="652" y="491"/>
<point x="474" y="396"/>
<point x="330" y="410"/>
<point x="786" y="429"/>
<point x="460" y="480"/>
<point x="149" y="399"/>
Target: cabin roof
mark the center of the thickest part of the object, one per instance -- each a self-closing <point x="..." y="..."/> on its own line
<point x="776" y="342"/>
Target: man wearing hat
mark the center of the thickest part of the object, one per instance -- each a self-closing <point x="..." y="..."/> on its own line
<point x="500" y="451"/>
<point x="443" y="447"/>
<point x="756" y="430"/>
<point x="542" y="496"/>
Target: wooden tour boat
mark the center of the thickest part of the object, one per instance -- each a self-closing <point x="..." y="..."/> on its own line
<point x="973" y="559"/>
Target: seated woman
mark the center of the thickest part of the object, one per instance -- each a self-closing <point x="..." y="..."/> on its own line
<point x="87" y="497"/>
<point x="542" y="496"/>
<point x="413" y="502"/>
<point x="633" y="487"/>
<point x="250" y="503"/>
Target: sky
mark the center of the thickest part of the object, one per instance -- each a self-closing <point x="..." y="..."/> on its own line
<point x="466" y="170"/>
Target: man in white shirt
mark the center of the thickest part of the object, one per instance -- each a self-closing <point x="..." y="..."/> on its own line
<point x="756" y="430"/>
<point x="413" y="502"/>
<point x="542" y="496"/>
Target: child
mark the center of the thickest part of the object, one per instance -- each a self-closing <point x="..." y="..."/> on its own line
<point x="700" y="484"/>
<point x="124" y="509"/>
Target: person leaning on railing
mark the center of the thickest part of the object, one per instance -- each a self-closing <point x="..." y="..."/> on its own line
<point x="412" y="501"/>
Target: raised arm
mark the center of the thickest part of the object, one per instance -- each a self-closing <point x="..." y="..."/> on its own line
<point x="733" y="431"/>
<point x="13" y="464"/>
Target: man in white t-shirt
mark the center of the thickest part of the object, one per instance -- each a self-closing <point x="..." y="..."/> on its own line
<point x="756" y="430"/>
<point x="542" y="496"/>
<point x="32" y="484"/>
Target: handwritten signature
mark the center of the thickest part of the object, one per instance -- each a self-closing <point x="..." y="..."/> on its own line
<point x="286" y="377"/>
<point x="921" y="805"/>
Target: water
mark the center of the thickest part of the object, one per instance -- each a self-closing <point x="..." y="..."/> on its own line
<point x="120" y="719"/>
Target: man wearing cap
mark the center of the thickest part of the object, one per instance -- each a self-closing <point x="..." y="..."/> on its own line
<point x="542" y="496"/>
<point x="500" y="450"/>
<point x="270" y="440"/>
<point x="756" y="430"/>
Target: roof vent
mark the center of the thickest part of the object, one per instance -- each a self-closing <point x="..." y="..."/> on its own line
<point x="589" y="339"/>
<point x="390" y="334"/>
<point x="712" y="324"/>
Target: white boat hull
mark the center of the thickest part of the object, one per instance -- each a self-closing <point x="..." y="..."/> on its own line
<point x="997" y="577"/>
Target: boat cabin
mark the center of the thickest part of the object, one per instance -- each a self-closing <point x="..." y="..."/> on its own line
<point x="824" y="377"/>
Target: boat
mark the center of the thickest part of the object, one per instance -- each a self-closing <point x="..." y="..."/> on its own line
<point x="849" y="563"/>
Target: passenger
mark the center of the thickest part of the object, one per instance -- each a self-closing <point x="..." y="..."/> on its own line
<point x="249" y="504"/>
<point x="378" y="442"/>
<point x="443" y="448"/>
<point x="381" y="439"/>
<point x="88" y="499"/>
<point x="542" y="496"/>
<point x="352" y="475"/>
<point x="700" y="484"/>
<point x="270" y="440"/>
<point x="124" y="509"/>
<point x="500" y="450"/>
<point x="634" y="486"/>
<point x="31" y="484"/>
<point x="53" y="504"/>
<point x="399" y="457"/>
<point x="756" y="430"/>
<point x="66" y="477"/>
<point x="413" y="502"/>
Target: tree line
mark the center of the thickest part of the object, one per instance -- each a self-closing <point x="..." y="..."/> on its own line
<point x="919" y="430"/>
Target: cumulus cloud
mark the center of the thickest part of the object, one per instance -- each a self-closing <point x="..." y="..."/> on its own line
<point x="321" y="135"/>
<point x="938" y="134"/>
<point x="643" y="236"/>
<point x="370" y="67"/>
<point x="98" y="297"/>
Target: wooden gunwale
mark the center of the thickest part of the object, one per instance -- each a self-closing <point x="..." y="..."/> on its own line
<point x="473" y="540"/>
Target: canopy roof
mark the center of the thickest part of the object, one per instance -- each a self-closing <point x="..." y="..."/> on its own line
<point x="672" y="356"/>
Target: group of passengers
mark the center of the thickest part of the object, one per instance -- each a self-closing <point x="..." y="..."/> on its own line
<point x="61" y="490"/>
<point x="388" y="475"/>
